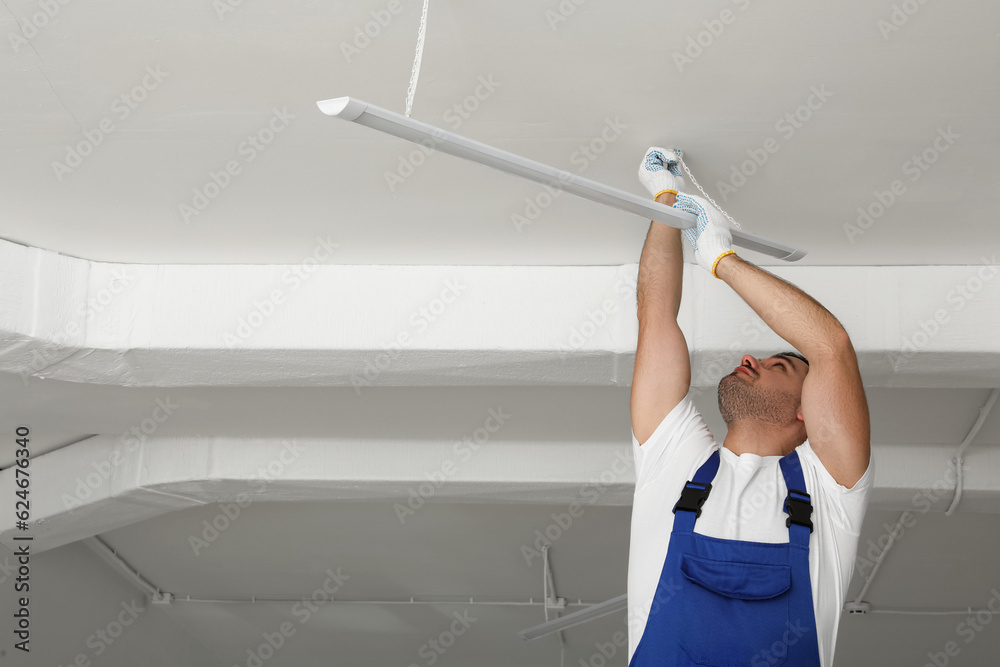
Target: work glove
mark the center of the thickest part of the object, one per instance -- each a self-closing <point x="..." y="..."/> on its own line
<point x="711" y="239"/>
<point x="659" y="171"/>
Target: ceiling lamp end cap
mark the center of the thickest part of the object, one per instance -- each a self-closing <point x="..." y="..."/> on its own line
<point x="345" y="108"/>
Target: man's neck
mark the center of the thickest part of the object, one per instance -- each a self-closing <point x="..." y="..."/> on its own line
<point x="754" y="437"/>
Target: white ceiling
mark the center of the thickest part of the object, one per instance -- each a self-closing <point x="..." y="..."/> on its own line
<point x="322" y="176"/>
<point x="557" y="88"/>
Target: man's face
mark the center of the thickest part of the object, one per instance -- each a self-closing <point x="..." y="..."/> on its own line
<point x="766" y="390"/>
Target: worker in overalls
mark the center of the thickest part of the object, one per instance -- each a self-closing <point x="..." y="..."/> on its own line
<point x="740" y="555"/>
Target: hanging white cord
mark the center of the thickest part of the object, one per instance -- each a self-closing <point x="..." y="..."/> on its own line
<point x="705" y="194"/>
<point x="415" y="74"/>
<point x="545" y="580"/>
<point x="958" y="460"/>
<point x="549" y="592"/>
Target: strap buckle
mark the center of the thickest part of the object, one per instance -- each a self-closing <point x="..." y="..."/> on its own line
<point x="693" y="496"/>
<point x="799" y="509"/>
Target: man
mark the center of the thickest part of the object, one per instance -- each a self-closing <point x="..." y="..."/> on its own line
<point x="740" y="554"/>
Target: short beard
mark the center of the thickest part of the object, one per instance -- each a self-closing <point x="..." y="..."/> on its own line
<point x="740" y="400"/>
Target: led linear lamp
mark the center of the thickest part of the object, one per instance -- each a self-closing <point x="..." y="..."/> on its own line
<point x="348" y="108"/>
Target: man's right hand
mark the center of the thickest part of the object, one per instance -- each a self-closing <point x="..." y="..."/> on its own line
<point x="659" y="171"/>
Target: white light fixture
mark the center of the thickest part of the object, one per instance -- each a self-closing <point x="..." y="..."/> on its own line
<point x="576" y="618"/>
<point x="348" y="108"/>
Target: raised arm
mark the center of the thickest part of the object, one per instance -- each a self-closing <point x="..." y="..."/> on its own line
<point x="834" y="406"/>
<point x="662" y="373"/>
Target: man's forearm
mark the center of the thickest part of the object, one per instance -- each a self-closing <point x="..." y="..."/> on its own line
<point x="790" y="312"/>
<point x="661" y="269"/>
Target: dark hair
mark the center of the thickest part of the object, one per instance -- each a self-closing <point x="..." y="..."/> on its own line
<point x="797" y="356"/>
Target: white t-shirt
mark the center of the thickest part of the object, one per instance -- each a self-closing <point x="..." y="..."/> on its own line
<point x="745" y="504"/>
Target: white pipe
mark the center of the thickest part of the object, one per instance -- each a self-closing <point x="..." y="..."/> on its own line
<point x="576" y="618"/>
<point x="98" y="546"/>
<point x="881" y="557"/>
<point x="545" y="580"/>
<point x="983" y="414"/>
<point x="411" y="601"/>
<point x="549" y="590"/>
<point x="958" y="460"/>
<point x="966" y="612"/>
<point x="348" y="108"/>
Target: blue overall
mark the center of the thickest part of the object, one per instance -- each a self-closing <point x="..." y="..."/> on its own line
<point x="727" y="603"/>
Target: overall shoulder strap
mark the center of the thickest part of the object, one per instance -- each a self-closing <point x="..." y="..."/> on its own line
<point x="798" y="503"/>
<point x="695" y="493"/>
<point x="706" y="473"/>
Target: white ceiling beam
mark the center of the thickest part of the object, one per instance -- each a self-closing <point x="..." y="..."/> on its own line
<point x="104" y="483"/>
<point x="320" y="324"/>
